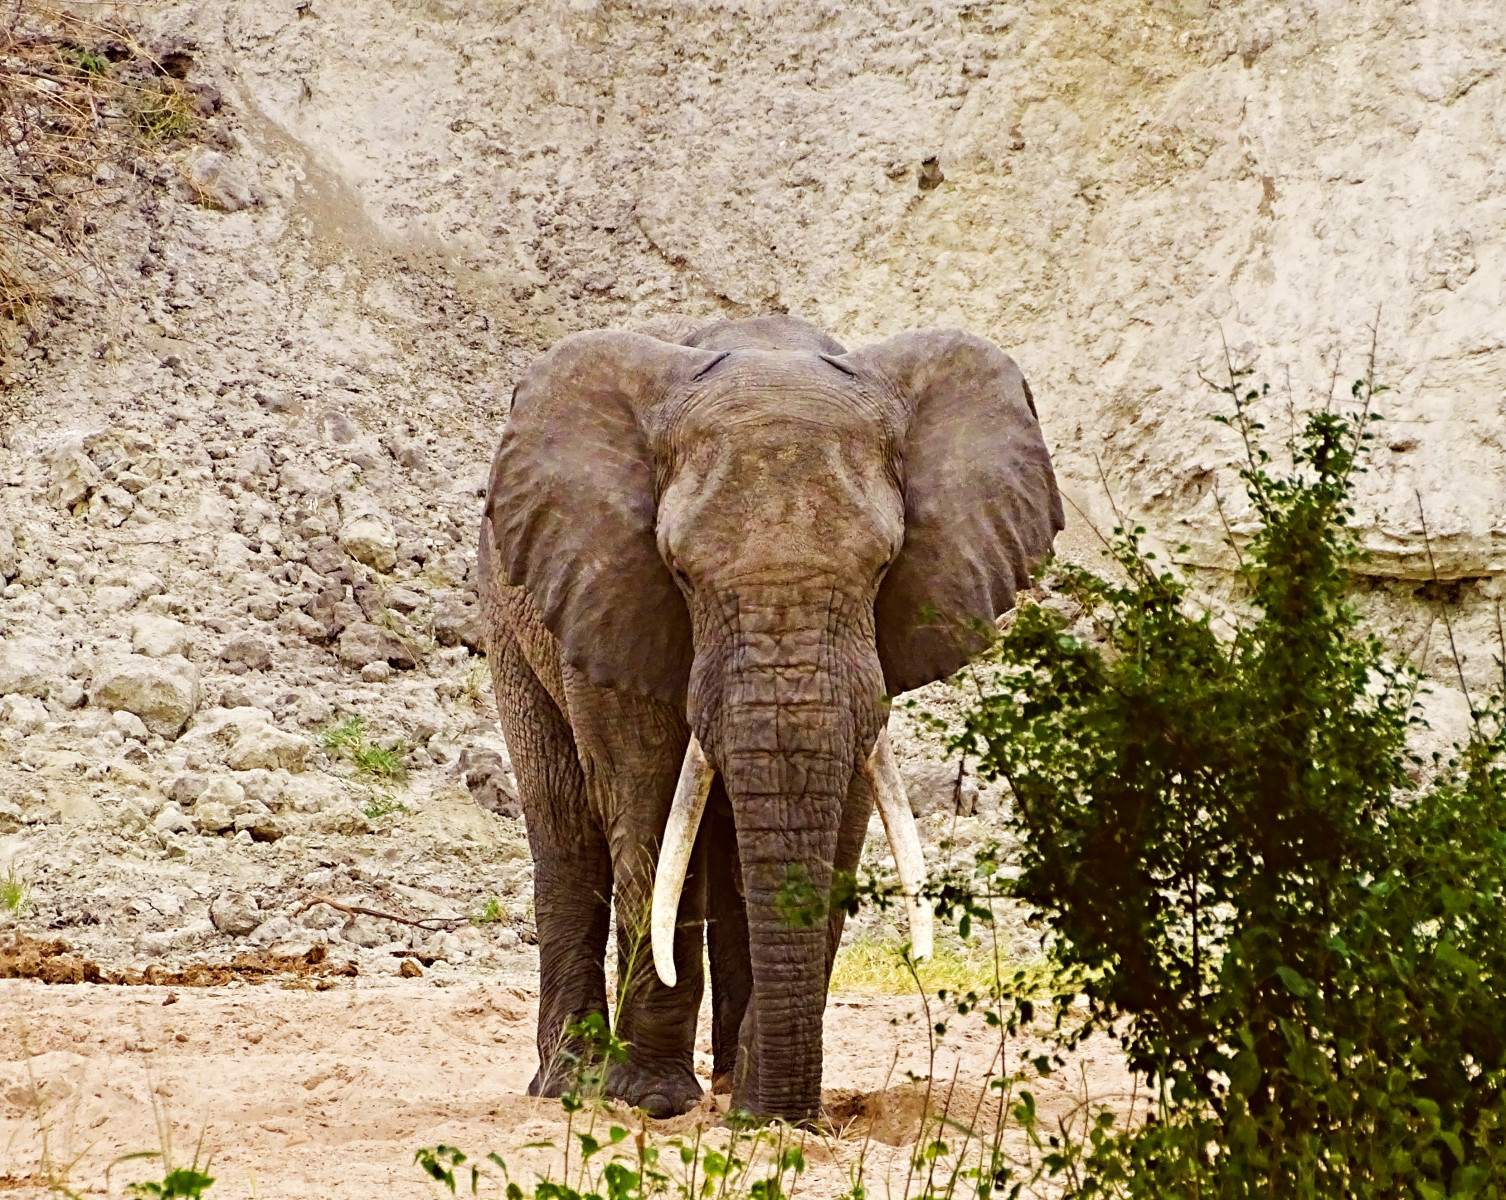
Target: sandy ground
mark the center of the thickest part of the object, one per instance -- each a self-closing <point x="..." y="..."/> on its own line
<point x="307" y="1094"/>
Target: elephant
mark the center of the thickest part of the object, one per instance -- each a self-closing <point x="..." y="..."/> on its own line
<point x="707" y="561"/>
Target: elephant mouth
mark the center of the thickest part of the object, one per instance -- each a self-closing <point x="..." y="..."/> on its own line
<point x="689" y="805"/>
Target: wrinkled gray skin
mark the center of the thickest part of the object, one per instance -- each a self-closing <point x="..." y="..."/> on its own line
<point x="756" y="535"/>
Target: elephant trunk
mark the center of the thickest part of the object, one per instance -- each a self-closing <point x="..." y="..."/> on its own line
<point x="787" y="773"/>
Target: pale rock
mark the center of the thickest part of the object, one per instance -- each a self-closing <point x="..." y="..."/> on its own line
<point x="342" y="817"/>
<point x="28" y="667"/>
<point x="67" y="695"/>
<point x="235" y="913"/>
<point x="131" y="726"/>
<point x="264" y="786"/>
<point x="10" y="563"/>
<point x="163" y="692"/>
<point x="173" y="819"/>
<point x="74" y="476"/>
<point x="12" y="818"/>
<point x="110" y="506"/>
<point x="250" y="648"/>
<point x="25" y="714"/>
<point x="211" y="816"/>
<point x="312" y="792"/>
<point x="269" y="748"/>
<point x="369" y="538"/>
<point x="376" y="672"/>
<point x="262" y="826"/>
<point x="221" y="789"/>
<point x="368" y="932"/>
<point x="160" y="637"/>
<point x="272" y="930"/>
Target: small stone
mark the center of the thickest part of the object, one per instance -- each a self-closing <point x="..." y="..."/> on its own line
<point x="932" y="787"/>
<point x="458" y="624"/>
<point x="186" y="788"/>
<point x="68" y="695"/>
<point x="262" y="786"/>
<point x="221" y="789"/>
<point x="24" y="713"/>
<point x="235" y="913"/>
<point x="219" y="182"/>
<point x="410" y="969"/>
<point x="173" y="819"/>
<point x="272" y="930"/>
<point x="11" y="816"/>
<point x="27" y="667"/>
<point x="365" y="931"/>
<point x="368" y="538"/>
<point x="235" y="696"/>
<point x="267" y="747"/>
<point x="110" y="506"/>
<point x="130" y="725"/>
<point x="262" y="826"/>
<point x="363" y="643"/>
<point x="376" y="672"/>
<point x="212" y="816"/>
<point x="403" y="599"/>
<point x="249" y="648"/>
<point x="163" y="692"/>
<point x="159" y="637"/>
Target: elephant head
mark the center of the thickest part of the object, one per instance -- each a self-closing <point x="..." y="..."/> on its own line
<point x="775" y="535"/>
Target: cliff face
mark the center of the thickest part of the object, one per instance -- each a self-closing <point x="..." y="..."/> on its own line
<point x="1113" y="191"/>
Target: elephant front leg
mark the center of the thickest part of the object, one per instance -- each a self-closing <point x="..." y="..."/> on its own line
<point x="657" y="1024"/>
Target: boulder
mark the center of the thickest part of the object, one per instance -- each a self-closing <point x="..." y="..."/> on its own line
<point x="27" y="667"/>
<point x="268" y="748"/>
<point x="368" y="538"/>
<point x="163" y="692"/>
<point x="362" y="643"/>
<point x="235" y="913"/>
<point x="160" y="637"/>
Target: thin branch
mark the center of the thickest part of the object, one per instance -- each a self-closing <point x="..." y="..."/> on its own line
<point x="361" y="910"/>
<point x="1443" y="606"/>
<point x="1218" y="503"/>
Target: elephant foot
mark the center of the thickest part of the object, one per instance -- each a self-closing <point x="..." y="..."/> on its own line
<point x="548" y="1085"/>
<point x="721" y="1083"/>
<point x="656" y="1093"/>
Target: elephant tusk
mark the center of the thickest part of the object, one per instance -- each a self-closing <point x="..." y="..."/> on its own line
<point x="904" y="840"/>
<point x="674" y="855"/>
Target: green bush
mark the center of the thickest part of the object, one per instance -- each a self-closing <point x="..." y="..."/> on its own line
<point x="1300" y="949"/>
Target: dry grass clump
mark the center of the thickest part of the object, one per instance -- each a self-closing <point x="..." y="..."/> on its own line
<point x="85" y="110"/>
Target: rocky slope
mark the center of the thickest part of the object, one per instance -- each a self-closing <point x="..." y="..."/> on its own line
<point x="241" y="448"/>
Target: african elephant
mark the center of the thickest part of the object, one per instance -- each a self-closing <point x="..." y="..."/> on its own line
<point x="705" y="566"/>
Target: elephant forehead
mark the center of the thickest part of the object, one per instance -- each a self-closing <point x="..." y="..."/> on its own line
<point x="788" y="394"/>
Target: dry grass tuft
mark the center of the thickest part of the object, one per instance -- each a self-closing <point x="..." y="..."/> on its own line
<point x="875" y="967"/>
<point x="85" y="109"/>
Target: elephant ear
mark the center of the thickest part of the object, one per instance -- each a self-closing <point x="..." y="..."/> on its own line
<point x="570" y="510"/>
<point x="981" y="504"/>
